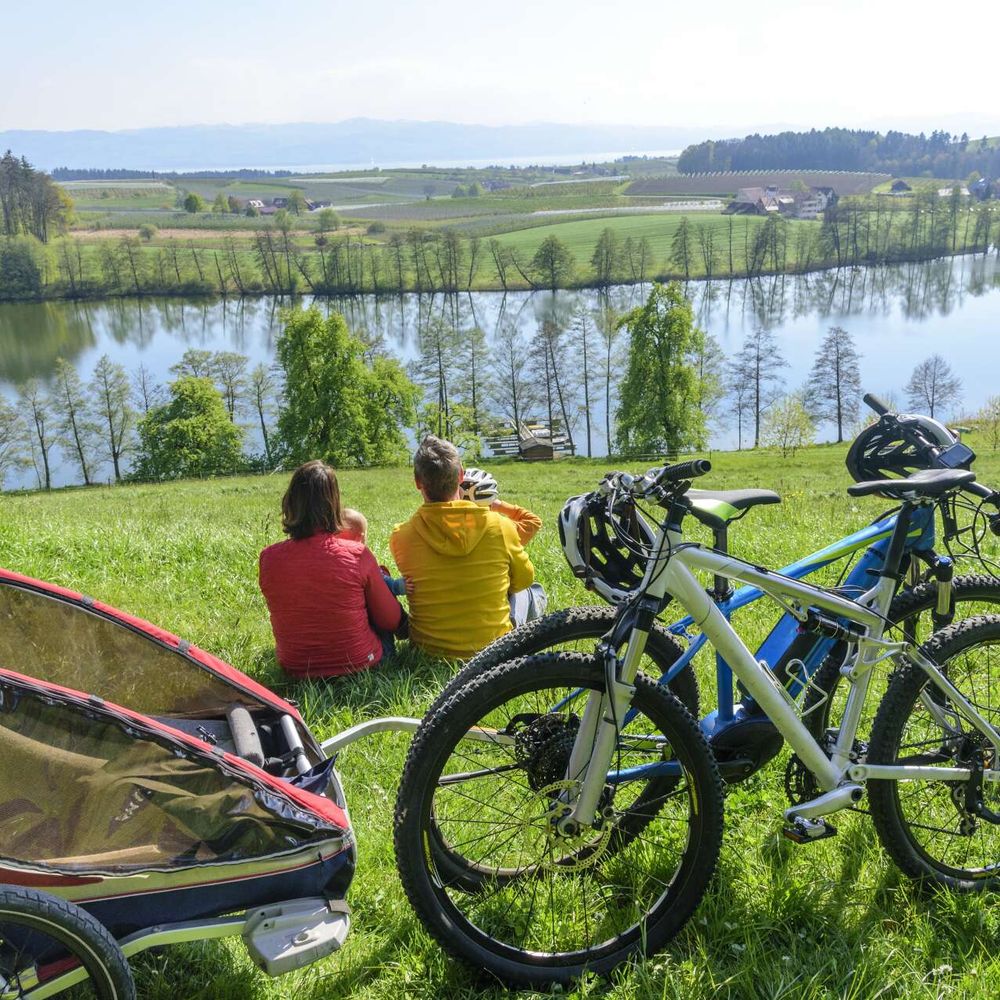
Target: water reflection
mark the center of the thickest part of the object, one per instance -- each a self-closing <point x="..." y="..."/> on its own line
<point x="948" y="304"/>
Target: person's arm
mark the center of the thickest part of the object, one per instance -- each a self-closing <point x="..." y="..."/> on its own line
<point x="527" y="524"/>
<point x="383" y="609"/>
<point x="522" y="573"/>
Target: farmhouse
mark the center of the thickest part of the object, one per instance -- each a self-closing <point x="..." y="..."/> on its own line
<point x="900" y="187"/>
<point x="983" y="189"/>
<point x="808" y="204"/>
<point x="255" y="203"/>
<point x="946" y="192"/>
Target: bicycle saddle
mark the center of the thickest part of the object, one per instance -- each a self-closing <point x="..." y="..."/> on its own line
<point x="925" y="483"/>
<point x="716" y="508"/>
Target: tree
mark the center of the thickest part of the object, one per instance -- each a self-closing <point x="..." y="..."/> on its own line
<point x="472" y="375"/>
<point x="611" y="358"/>
<point x="77" y="429"/>
<point x="220" y="206"/>
<point x="235" y="205"/>
<point x="584" y="348"/>
<point x="146" y="392"/>
<point x="109" y="385"/>
<point x="511" y="386"/>
<point x="327" y="221"/>
<point x="147" y="231"/>
<point x="335" y="407"/>
<point x="193" y="203"/>
<point x="194" y="363"/>
<point x="553" y="262"/>
<point x="434" y="366"/>
<point x="710" y="366"/>
<point x="191" y="435"/>
<point x="251" y="211"/>
<point x="658" y="400"/>
<point x="262" y="387"/>
<point x="37" y="408"/>
<point x="754" y="376"/>
<point x="229" y="370"/>
<point x="988" y="422"/>
<point x="788" y="425"/>
<point x="296" y="202"/>
<point x="13" y="436"/>
<point x="682" y="246"/>
<point x="555" y="387"/>
<point x="834" y="384"/>
<point x="606" y="258"/>
<point x="475" y="190"/>
<point x="932" y="385"/>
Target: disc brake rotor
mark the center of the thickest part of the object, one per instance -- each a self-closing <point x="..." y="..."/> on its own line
<point x="560" y="851"/>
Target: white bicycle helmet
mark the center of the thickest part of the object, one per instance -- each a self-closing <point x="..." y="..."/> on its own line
<point x="478" y="486"/>
<point x="595" y="552"/>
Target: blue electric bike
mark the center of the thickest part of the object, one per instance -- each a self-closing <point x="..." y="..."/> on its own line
<point x="608" y="552"/>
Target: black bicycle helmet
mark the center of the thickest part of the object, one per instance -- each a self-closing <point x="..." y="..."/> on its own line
<point x="896" y="445"/>
<point x="596" y="553"/>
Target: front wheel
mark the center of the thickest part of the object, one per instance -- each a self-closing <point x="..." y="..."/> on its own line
<point x="579" y="630"/>
<point x="48" y="945"/>
<point x="485" y="772"/>
<point x="943" y="832"/>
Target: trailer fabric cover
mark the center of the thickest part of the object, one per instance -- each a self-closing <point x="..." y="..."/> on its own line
<point x="57" y="640"/>
<point x="81" y="789"/>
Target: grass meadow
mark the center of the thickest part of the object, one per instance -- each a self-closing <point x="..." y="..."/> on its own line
<point x="828" y="920"/>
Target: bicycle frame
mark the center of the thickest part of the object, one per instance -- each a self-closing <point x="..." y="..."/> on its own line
<point x="874" y="539"/>
<point x="671" y="570"/>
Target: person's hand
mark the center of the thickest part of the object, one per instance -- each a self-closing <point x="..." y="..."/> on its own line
<point x="411" y="587"/>
<point x="495" y="504"/>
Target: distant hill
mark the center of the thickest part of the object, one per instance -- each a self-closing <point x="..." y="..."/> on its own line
<point x="356" y="141"/>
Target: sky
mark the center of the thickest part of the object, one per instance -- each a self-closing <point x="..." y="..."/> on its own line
<point x="113" y="64"/>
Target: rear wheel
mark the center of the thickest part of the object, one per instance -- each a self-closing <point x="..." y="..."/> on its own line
<point x="484" y="773"/>
<point x="911" y="612"/>
<point x="943" y="832"/>
<point x="49" y="946"/>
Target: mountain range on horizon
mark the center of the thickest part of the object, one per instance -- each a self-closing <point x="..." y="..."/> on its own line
<point x="360" y="141"/>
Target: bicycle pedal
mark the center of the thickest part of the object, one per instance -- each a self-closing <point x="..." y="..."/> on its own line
<point x="808" y="831"/>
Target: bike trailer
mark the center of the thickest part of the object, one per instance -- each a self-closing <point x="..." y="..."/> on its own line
<point x="159" y="788"/>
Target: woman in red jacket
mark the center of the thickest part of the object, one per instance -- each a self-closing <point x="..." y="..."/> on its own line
<point x="331" y="610"/>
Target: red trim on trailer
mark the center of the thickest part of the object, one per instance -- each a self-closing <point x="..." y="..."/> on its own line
<point x="33" y="880"/>
<point x="326" y="808"/>
<point x="225" y="670"/>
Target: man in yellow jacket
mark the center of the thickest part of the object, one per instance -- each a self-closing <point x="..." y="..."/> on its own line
<point x="464" y="561"/>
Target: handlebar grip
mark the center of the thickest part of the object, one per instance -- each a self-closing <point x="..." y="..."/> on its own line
<point x="876" y="404"/>
<point x="684" y="470"/>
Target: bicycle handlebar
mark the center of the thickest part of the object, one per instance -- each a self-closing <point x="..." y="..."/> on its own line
<point x="683" y="470"/>
<point x="875" y="403"/>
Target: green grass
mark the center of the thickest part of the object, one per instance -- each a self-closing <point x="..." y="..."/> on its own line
<point x="581" y="236"/>
<point x="833" y="919"/>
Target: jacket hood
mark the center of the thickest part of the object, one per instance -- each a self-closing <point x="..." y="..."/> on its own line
<point x="454" y="528"/>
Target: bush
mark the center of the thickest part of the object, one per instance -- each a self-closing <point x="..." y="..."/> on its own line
<point x="375" y="227"/>
<point x="21" y="268"/>
<point x="147" y="231"/>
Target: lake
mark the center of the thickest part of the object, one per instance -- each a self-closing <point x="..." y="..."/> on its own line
<point x="898" y="316"/>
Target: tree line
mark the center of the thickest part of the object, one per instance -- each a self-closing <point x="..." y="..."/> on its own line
<point x="855" y="231"/>
<point x="663" y="384"/>
<point x="939" y="154"/>
<point x="325" y="396"/>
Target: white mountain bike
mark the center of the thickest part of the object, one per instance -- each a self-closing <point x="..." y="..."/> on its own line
<point x="562" y="812"/>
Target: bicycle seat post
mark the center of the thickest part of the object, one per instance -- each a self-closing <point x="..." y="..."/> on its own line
<point x="722" y="589"/>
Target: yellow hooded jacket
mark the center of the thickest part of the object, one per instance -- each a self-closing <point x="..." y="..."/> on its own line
<point x="464" y="560"/>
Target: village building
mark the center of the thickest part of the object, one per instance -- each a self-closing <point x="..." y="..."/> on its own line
<point x="808" y="204"/>
<point x="900" y="187"/>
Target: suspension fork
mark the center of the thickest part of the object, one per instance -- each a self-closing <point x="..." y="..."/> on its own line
<point x="603" y="717"/>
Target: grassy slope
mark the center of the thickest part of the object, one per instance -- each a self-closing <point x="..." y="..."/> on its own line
<point x="830" y="920"/>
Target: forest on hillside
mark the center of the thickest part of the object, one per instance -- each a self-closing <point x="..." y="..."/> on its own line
<point x="938" y="155"/>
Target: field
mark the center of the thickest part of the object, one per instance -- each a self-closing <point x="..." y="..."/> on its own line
<point x="581" y="236"/>
<point x="833" y="919"/>
<point x="843" y="182"/>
